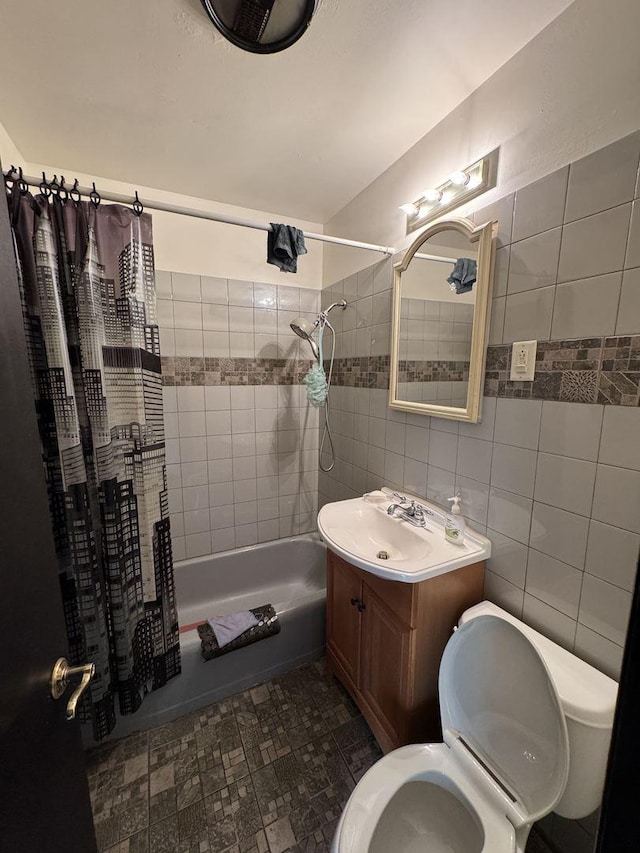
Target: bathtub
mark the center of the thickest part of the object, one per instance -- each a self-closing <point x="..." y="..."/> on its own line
<point x="290" y="574"/>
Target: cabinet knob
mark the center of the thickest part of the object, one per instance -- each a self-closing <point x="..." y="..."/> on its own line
<point x="361" y="606"/>
<point x="354" y="601"/>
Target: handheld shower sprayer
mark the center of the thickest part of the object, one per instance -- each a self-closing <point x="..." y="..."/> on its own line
<point x="305" y="329"/>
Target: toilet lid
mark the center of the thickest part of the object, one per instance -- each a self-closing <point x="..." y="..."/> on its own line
<point x="497" y="695"/>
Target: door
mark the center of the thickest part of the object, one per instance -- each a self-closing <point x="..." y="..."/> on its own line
<point x="44" y="796"/>
<point x="385" y="666"/>
<point x="344" y="590"/>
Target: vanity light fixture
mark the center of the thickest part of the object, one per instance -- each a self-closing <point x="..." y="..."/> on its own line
<point x="461" y="186"/>
<point x="432" y="196"/>
<point x="410" y="209"/>
<point x="459" y="178"/>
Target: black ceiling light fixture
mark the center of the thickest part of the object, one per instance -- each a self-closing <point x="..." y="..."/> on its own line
<point x="261" y="26"/>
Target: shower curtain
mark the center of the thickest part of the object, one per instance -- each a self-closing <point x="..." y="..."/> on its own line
<point x="86" y="277"/>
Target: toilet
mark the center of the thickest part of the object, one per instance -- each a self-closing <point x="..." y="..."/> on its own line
<point x="526" y="729"/>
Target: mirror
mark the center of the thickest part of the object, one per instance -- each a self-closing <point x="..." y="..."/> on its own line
<point x="261" y="26"/>
<point x="441" y="297"/>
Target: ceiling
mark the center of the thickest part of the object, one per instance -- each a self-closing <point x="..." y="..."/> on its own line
<point x="150" y="94"/>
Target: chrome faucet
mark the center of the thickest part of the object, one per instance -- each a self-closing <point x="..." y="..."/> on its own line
<point x="413" y="513"/>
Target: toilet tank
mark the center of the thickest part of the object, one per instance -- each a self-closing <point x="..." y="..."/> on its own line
<point x="588" y="698"/>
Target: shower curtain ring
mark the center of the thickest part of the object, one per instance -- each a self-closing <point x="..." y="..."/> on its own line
<point x="64" y="193"/>
<point x="75" y="198"/>
<point x="8" y="178"/>
<point x="137" y="206"/>
<point x="54" y="186"/>
<point x="94" y="196"/>
<point x="44" y="186"/>
<point x="24" y="187"/>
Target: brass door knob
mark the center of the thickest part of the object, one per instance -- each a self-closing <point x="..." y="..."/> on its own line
<point x="60" y="675"/>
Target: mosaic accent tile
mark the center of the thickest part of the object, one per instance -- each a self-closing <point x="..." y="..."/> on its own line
<point x="433" y="371"/>
<point x="186" y="370"/>
<point x="579" y="386"/>
<point x="618" y="388"/>
<point x="585" y="370"/>
<point x="362" y="372"/>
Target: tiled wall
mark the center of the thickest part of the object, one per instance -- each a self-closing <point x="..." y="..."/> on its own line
<point x="242" y="442"/>
<point x="552" y="473"/>
<point x="555" y="483"/>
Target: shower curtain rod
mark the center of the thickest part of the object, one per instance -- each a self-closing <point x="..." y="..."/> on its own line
<point x="199" y="214"/>
<point x="424" y="257"/>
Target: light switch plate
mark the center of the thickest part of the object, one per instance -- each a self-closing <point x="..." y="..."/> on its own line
<point x="523" y="361"/>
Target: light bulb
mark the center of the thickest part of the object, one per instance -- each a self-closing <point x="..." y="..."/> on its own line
<point x="410" y="209"/>
<point x="432" y="196"/>
<point x="459" y="178"/>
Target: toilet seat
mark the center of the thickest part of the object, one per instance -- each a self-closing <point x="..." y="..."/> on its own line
<point x="504" y="756"/>
<point x="435" y="763"/>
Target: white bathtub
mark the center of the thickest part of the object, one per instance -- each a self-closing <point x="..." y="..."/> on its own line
<point x="288" y="573"/>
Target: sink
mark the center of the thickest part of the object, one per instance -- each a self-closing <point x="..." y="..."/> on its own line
<point x="366" y="536"/>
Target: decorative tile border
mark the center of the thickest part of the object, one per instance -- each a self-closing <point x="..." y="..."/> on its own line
<point x="586" y="370"/>
<point x="233" y="371"/>
<point x="361" y="372"/>
<point x="433" y="371"/>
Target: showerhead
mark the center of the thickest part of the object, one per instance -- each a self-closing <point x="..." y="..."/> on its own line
<point x="304" y="329"/>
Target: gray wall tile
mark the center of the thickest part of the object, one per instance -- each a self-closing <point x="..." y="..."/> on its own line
<point x="571" y="429"/>
<point x="528" y="315"/>
<point x="534" y="262"/>
<point x="604" y="654"/>
<point x="502" y="211"/>
<point x="633" y="247"/>
<point x="503" y="593"/>
<point x="612" y="554"/>
<point x="496" y="327"/>
<point x="474" y="458"/>
<point x="565" y="483"/>
<point x="605" y="608"/>
<point x="518" y="422"/>
<point x="559" y="534"/>
<point x="595" y="245"/>
<point x="588" y="307"/>
<point x="604" y="179"/>
<point x="513" y="469"/>
<point x="554" y="582"/>
<point x="501" y="271"/>
<point x="620" y="443"/>
<point x="540" y="205"/>
<point x="551" y="622"/>
<point x="509" y="514"/>
<point x="508" y="558"/>
<point x="617" y="497"/>
<point x="628" y="320"/>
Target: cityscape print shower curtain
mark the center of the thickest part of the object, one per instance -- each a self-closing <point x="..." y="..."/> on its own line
<point x="86" y="275"/>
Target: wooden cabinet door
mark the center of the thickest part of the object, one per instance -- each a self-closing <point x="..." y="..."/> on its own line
<point x="344" y="593"/>
<point x="385" y="667"/>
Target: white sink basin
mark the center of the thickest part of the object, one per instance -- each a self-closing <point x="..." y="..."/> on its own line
<point x="361" y="532"/>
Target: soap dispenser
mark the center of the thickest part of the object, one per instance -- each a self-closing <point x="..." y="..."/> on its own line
<point x="454" y="526"/>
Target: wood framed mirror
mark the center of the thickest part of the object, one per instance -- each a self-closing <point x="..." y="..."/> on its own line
<point x="440" y="323"/>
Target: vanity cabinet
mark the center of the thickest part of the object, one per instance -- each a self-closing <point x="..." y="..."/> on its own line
<point x="385" y="640"/>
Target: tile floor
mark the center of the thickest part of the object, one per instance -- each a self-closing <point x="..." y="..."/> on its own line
<point x="266" y="771"/>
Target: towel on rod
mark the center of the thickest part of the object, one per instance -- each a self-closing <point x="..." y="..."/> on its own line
<point x="284" y="244"/>
<point x="267" y="625"/>
<point x="463" y="275"/>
